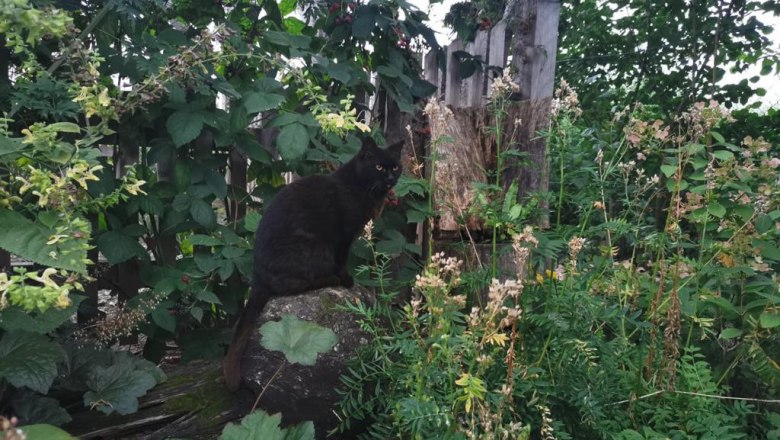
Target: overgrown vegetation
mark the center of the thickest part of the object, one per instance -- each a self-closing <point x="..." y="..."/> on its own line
<point x="649" y="309"/>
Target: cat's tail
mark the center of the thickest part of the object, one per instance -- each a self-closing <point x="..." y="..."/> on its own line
<point x="243" y="330"/>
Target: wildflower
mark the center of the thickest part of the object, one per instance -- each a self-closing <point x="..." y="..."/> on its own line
<point x="503" y="85"/>
<point x="598" y="205"/>
<point x="575" y="246"/>
<point x="368" y="231"/>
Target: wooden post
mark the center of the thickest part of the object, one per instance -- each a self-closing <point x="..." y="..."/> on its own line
<point x="534" y="25"/>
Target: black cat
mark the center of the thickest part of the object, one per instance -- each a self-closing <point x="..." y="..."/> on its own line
<point x="305" y="234"/>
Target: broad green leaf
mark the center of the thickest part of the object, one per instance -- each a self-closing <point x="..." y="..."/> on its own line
<point x="769" y="320"/>
<point x="256" y="102"/>
<point x="257" y="425"/>
<point x="723" y="155"/>
<point x="716" y="209"/>
<point x="182" y="176"/>
<point x="204" y="343"/>
<point x="231" y="252"/>
<point x="365" y="18"/>
<point x="14" y="318"/>
<point x="301" y="431"/>
<point x="205" y="261"/>
<point x="29" y="360"/>
<point x="299" y="340"/>
<point x="10" y="145"/>
<point x="182" y="202"/>
<point x="718" y="137"/>
<point x="117" y="388"/>
<point x="668" y="170"/>
<point x="163" y="317"/>
<point x="216" y="183"/>
<point x="45" y="432"/>
<point x="203" y="213"/>
<point x="209" y="297"/>
<point x="118" y="247"/>
<point x="251" y="221"/>
<point x="204" y="240"/>
<point x="27" y="239"/>
<point x="730" y="333"/>
<point x="31" y="407"/>
<point x="287" y="6"/>
<point x="292" y="142"/>
<point x="184" y="126"/>
<point x="340" y="72"/>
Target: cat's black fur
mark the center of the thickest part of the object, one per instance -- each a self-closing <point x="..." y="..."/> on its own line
<point x="305" y="234"/>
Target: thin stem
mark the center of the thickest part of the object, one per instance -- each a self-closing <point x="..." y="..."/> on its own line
<point x="278" y="370"/>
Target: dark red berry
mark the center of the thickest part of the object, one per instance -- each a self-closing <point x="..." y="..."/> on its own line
<point x="185" y="279"/>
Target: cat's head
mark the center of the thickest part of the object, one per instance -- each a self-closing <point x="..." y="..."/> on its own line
<point x="379" y="168"/>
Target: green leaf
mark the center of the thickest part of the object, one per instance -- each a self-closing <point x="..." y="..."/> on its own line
<point x="118" y="247"/>
<point x="204" y="240"/>
<point x="184" y="126"/>
<point x="231" y="252"/>
<point x="10" y="145"/>
<point x="287" y="6"/>
<point x="300" y="341"/>
<point x="45" y="432"/>
<point x="723" y="155"/>
<point x="29" y="360"/>
<point x="730" y="333"/>
<point x="205" y="261"/>
<point x="65" y="127"/>
<point x="216" y="183"/>
<point x="209" y="297"/>
<point x="182" y="202"/>
<point x="252" y="221"/>
<point x="14" y="318"/>
<point x="204" y="343"/>
<point x="716" y="209"/>
<point x="301" y="431"/>
<point x="769" y="320"/>
<point x="718" y="137"/>
<point x="27" y="239"/>
<point x="117" y="388"/>
<point x="256" y="102"/>
<point x="257" y="425"/>
<point x="365" y="18"/>
<point x="668" y="170"/>
<point x="163" y="318"/>
<point x="292" y="142"/>
<point x="202" y="213"/>
<point x="31" y="407"/>
<point x="340" y="72"/>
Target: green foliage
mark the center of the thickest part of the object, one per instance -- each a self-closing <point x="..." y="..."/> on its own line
<point x="174" y="89"/>
<point x="670" y="54"/>
<point x="300" y="341"/>
<point x="261" y="425"/>
<point x="45" y="432"/>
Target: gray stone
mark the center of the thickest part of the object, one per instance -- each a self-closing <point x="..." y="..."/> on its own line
<point x="300" y="392"/>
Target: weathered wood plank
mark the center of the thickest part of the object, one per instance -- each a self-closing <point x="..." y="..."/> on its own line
<point x="452" y="87"/>
<point x="497" y="55"/>
<point x="476" y="83"/>
<point x="431" y="70"/>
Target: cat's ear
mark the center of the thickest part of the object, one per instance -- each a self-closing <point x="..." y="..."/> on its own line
<point x="367" y="148"/>
<point x="395" y="149"/>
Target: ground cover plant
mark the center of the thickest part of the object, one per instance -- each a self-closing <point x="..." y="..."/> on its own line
<point x="648" y="310"/>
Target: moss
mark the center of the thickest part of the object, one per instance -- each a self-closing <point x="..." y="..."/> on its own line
<point x="209" y="400"/>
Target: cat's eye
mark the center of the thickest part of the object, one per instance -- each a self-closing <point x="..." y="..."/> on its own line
<point x="395" y="168"/>
<point x="379" y="168"/>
